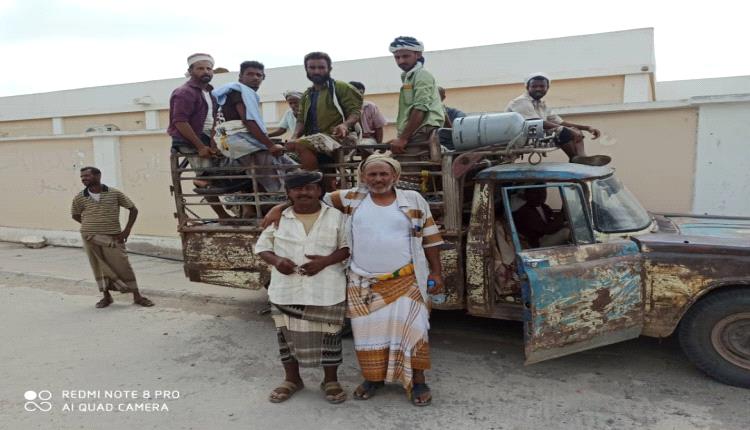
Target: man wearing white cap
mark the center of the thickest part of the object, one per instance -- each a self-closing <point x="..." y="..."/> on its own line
<point x="192" y="117"/>
<point x="289" y="120"/>
<point x="569" y="136"/>
<point x="420" y="110"/>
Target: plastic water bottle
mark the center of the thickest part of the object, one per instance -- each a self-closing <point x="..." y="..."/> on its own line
<point x="437" y="299"/>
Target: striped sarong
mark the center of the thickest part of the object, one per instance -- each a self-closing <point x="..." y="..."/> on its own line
<point x="311" y="335"/>
<point x="390" y="321"/>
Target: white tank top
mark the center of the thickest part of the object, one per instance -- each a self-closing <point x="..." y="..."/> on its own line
<point x="381" y="236"/>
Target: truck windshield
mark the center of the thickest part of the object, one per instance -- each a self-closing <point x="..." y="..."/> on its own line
<point x="616" y="209"/>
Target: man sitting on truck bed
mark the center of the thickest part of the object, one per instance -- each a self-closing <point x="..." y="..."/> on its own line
<point x="328" y="112"/>
<point x="569" y="136"/>
<point x="242" y="134"/>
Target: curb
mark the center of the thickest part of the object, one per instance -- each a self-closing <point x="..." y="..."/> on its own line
<point x="146" y="291"/>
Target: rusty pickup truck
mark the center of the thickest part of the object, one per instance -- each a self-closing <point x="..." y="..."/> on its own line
<point x="612" y="272"/>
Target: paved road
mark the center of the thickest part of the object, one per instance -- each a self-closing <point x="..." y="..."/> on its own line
<point x="208" y="347"/>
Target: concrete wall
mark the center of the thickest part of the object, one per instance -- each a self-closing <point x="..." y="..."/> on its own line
<point x="653" y="149"/>
<point x="40" y="178"/>
<point x="722" y="169"/>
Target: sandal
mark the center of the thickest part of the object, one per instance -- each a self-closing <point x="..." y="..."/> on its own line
<point x="417" y="391"/>
<point x="143" y="302"/>
<point x="103" y="303"/>
<point x="367" y="389"/>
<point x="334" y="393"/>
<point x="278" y="396"/>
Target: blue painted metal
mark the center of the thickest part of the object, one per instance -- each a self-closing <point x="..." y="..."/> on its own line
<point x="524" y="172"/>
<point x="581" y="297"/>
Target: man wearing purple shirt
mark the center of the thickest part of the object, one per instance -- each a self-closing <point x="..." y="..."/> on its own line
<point x="192" y="114"/>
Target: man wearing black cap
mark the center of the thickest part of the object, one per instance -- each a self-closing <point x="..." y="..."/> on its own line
<point x="308" y="285"/>
<point x="569" y="136"/>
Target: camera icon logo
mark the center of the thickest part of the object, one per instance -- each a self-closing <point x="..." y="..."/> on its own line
<point x="37" y="401"/>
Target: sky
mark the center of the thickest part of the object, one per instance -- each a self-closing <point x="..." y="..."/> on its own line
<point x="53" y="45"/>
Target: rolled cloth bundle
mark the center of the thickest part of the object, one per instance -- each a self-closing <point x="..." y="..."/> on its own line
<point x="384" y="157"/>
<point x="200" y="57"/>
<point x="406" y="42"/>
<point x="292" y="94"/>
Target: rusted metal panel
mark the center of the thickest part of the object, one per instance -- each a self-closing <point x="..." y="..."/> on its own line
<point x="453" y="274"/>
<point x="224" y="258"/>
<point x="681" y="269"/>
<point x="581" y="297"/>
<point x="479" y="262"/>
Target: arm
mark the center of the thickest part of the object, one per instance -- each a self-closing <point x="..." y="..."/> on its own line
<point x="318" y="262"/>
<point x="283" y="265"/>
<point x="278" y="131"/>
<point x="256" y="132"/>
<point x="77" y="218"/>
<point x="594" y="132"/>
<point x="351" y="103"/>
<point x="187" y="132"/>
<point x="436" y="269"/>
<point x="398" y="145"/>
<point x="379" y="135"/>
<point x="123" y="237"/>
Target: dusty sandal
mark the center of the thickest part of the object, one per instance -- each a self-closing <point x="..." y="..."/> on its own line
<point x="333" y="391"/>
<point x="418" y="393"/>
<point x="103" y="303"/>
<point x="367" y="389"/>
<point x="143" y="302"/>
<point x="284" y="391"/>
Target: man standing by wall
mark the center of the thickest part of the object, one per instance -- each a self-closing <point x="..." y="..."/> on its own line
<point x="192" y="113"/>
<point x="97" y="209"/>
<point x="568" y="136"/>
<point x="372" y="121"/>
<point x="328" y="113"/>
<point x="420" y="111"/>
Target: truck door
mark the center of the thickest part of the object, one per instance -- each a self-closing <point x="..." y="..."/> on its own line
<point x="577" y="294"/>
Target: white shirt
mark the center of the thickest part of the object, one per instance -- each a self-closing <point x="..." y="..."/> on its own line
<point x="289" y="240"/>
<point x="381" y="237"/>
<point x="288" y="121"/>
<point x="95" y="196"/>
<point x="208" y="124"/>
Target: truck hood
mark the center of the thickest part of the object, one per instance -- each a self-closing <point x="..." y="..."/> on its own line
<point x="705" y="225"/>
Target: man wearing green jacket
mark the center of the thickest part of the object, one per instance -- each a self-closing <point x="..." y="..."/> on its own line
<point x="328" y="113"/>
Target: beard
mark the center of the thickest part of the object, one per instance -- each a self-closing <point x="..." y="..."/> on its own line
<point x="206" y="78"/>
<point x="319" y="79"/>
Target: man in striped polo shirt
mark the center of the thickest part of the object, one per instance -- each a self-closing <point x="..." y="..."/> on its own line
<point x="97" y="209"/>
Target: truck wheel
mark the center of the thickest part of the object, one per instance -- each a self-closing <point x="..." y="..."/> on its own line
<point x="715" y="335"/>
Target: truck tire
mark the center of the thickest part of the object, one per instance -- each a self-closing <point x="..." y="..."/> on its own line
<point x="715" y="336"/>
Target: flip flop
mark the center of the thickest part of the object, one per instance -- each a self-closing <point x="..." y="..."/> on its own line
<point x="333" y="391"/>
<point x="417" y="391"/>
<point x="277" y="396"/>
<point x="143" y="302"/>
<point x="103" y="303"/>
<point x="368" y="389"/>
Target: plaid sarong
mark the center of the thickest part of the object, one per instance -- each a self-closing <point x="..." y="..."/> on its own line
<point x="390" y="321"/>
<point x="311" y="335"/>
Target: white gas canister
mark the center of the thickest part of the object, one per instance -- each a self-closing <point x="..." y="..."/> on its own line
<point x="475" y="131"/>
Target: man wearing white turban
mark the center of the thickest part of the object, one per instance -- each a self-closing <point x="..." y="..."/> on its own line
<point x="420" y="110"/>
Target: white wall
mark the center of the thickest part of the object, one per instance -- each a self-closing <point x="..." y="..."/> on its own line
<point x="722" y="171"/>
<point x="679" y="90"/>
